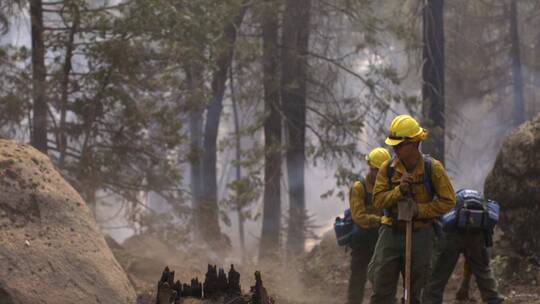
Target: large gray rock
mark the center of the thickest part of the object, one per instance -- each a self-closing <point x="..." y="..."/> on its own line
<point x="515" y="183"/>
<point x="51" y="250"/>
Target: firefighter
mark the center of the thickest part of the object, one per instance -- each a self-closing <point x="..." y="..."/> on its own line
<point x="367" y="219"/>
<point x="472" y="238"/>
<point x="425" y="181"/>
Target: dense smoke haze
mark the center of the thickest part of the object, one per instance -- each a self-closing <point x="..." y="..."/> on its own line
<point x="232" y="131"/>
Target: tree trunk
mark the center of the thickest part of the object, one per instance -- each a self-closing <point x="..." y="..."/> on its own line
<point x="238" y="166"/>
<point x="62" y="144"/>
<point x="195" y="83"/>
<point x="535" y="77"/>
<point x="295" y="43"/>
<point x="517" y="74"/>
<point x="208" y="211"/>
<point x="39" y="74"/>
<point x="433" y="78"/>
<point x="271" y="225"/>
<point x="91" y="201"/>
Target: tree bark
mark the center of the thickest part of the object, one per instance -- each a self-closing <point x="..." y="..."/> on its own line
<point x="39" y="74"/>
<point x="535" y="75"/>
<point x="295" y="42"/>
<point x="62" y="144"/>
<point x="195" y="83"/>
<point x="271" y="225"/>
<point x="208" y="211"/>
<point x="238" y="166"/>
<point x="433" y="78"/>
<point x="517" y="74"/>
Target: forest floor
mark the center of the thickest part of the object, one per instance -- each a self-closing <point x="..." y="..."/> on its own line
<point x="320" y="277"/>
<point x="325" y="273"/>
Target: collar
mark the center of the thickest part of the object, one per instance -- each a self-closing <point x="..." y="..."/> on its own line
<point x="399" y="167"/>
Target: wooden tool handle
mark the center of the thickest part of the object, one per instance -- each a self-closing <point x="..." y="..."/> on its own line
<point x="408" y="261"/>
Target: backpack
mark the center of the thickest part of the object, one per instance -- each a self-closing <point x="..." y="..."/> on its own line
<point x="472" y="213"/>
<point x="345" y="228"/>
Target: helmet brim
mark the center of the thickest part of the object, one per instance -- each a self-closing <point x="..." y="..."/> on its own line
<point x="393" y="142"/>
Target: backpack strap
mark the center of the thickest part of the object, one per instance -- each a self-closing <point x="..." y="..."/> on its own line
<point x="426" y="179"/>
<point x="390" y="171"/>
<point x="389" y="175"/>
<point x="368" y="197"/>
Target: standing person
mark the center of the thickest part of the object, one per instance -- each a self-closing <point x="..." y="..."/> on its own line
<point x="470" y="237"/>
<point x="368" y="220"/>
<point x="425" y="181"/>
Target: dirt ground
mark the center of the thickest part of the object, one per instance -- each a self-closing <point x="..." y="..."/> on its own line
<point x="320" y="277"/>
<point x="325" y="272"/>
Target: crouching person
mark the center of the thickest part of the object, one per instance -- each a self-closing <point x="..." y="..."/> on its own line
<point x="368" y="221"/>
<point x="469" y="228"/>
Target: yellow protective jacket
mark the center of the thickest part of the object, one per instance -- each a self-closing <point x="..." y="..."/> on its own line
<point x="363" y="213"/>
<point x="386" y="196"/>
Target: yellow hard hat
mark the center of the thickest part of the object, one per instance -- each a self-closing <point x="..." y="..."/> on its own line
<point x="377" y="157"/>
<point x="405" y="128"/>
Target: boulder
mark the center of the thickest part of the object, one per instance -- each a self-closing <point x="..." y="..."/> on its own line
<point x="515" y="183"/>
<point x="51" y="250"/>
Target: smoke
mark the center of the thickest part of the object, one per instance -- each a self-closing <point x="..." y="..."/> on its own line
<point x="18" y="29"/>
<point x="475" y="132"/>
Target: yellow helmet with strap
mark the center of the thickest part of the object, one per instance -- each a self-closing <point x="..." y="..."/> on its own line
<point x="405" y="128"/>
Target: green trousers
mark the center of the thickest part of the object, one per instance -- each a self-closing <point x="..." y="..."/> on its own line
<point x="447" y="251"/>
<point x="389" y="261"/>
<point x="362" y="250"/>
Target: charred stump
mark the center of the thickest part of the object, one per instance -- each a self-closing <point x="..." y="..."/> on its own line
<point x="210" y="282"/>
<point x="233" y="284"/>
<point x="186" y="291"/>
<point x="217" y="285"/>
<point x="196" y="288"/>
<point x="222" y="282"/>
<point x="166" y="293"/>
<point x="258" y="292"/>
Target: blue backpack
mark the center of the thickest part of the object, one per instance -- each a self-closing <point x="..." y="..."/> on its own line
<point x="345" y="228"/>
<point x="471" y="213"/>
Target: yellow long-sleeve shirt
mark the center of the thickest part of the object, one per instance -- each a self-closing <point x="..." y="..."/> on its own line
<point x="386" y="196"/>
<point x="364" y="215"/>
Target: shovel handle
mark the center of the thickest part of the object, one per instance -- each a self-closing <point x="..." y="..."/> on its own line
<point x="408" y="261"/>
